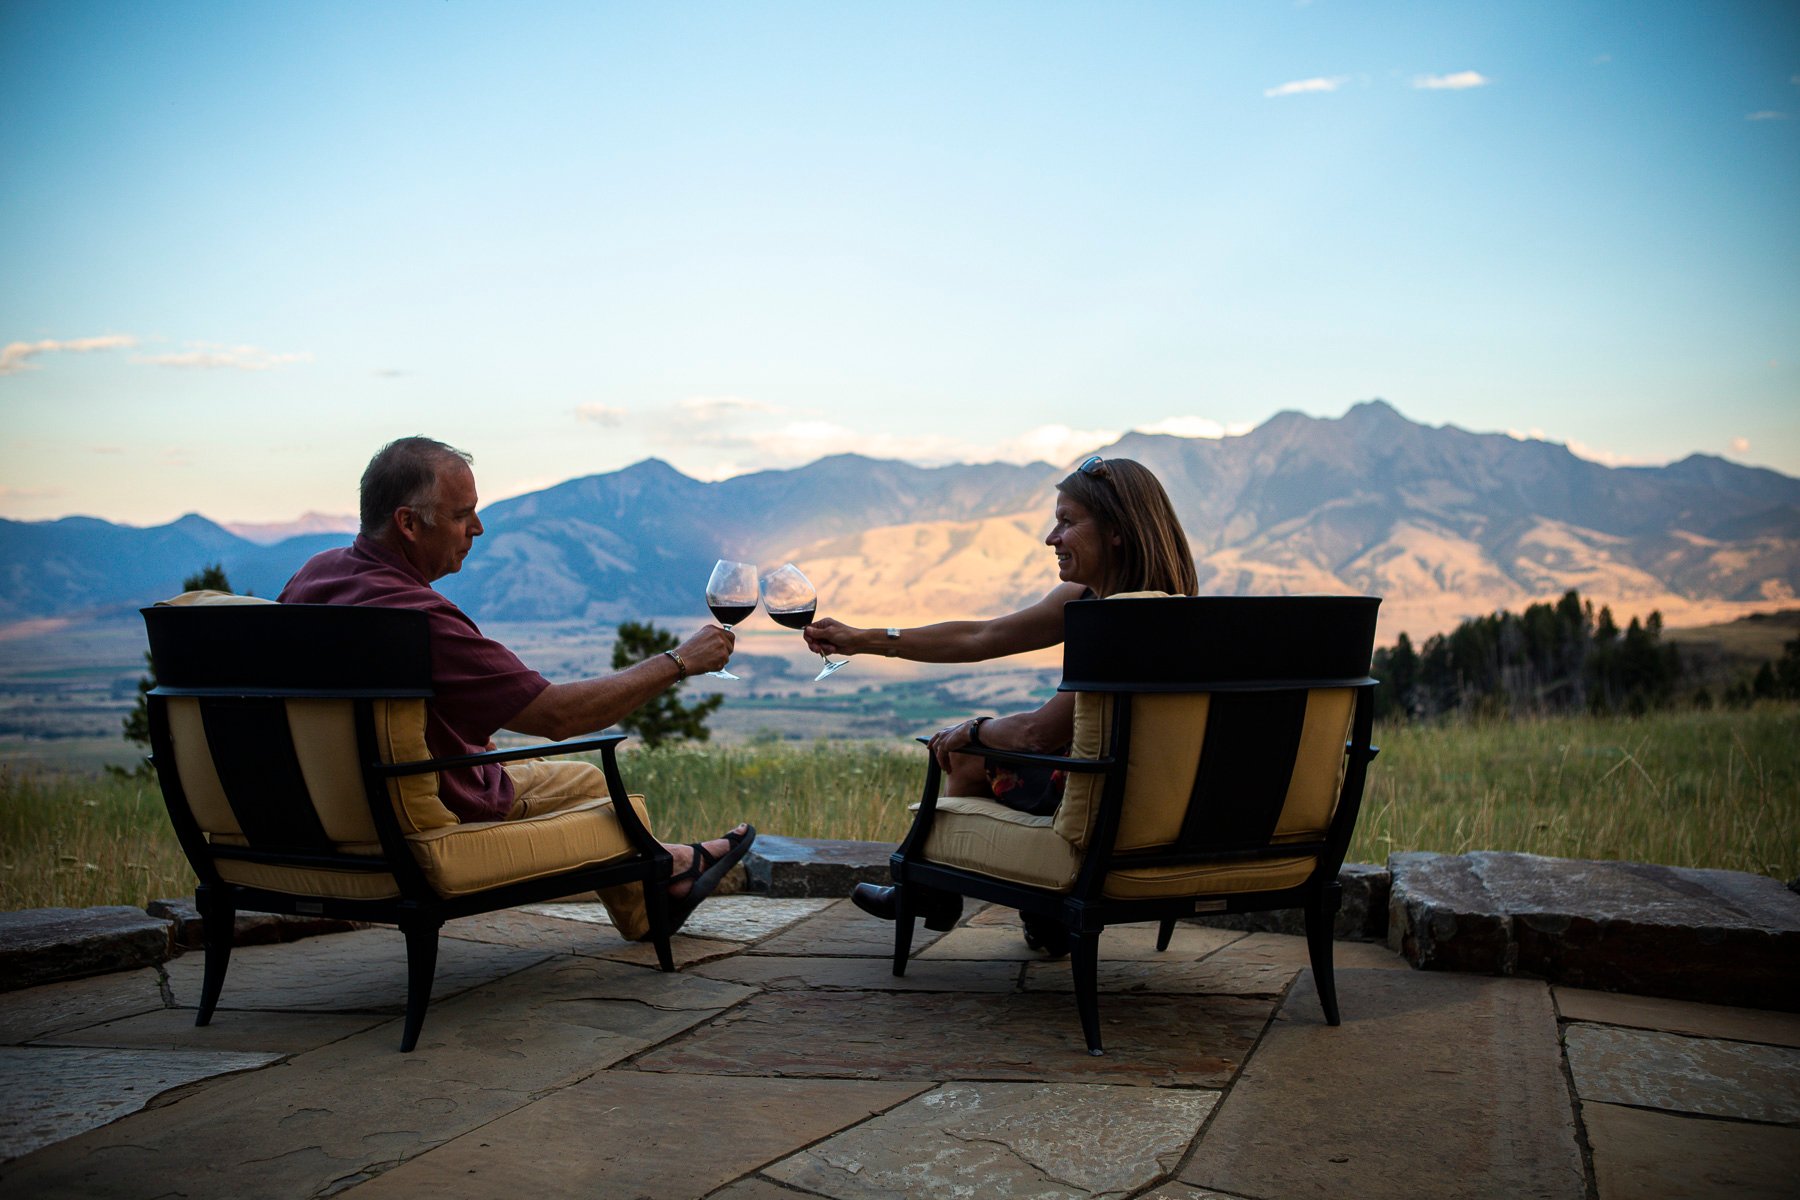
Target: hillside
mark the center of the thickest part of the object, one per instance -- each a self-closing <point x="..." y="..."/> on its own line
<point x="1443" y="523"/>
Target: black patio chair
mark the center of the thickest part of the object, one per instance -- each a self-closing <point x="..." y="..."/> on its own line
<point x="289" y="742"/>
<point x="1221" y="746"/>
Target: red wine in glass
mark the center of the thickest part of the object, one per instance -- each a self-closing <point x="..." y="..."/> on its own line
<point x="797" y="618"/>
<point x="731" y="594"/>
<point x="791" y="600"/>
<point x="730" y="614"/>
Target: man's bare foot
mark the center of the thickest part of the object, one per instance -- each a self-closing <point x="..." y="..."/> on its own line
<point x="684" y="858"/>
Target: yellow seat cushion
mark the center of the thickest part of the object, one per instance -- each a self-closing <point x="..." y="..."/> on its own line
<point x="1257" y="875"/>
<point x="459" y="859"/>
<point x="308" y="881"/>
<point x="984" y="835"/>
<point x="478" y="855"/>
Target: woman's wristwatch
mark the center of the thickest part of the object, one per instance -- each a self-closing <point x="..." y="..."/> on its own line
<point x="893" y="635"/>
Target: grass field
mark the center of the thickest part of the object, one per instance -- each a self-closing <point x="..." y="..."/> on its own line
<point x="1697" y="789"/>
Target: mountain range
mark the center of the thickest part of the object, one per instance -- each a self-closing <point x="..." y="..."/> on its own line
<point x="1442" y="522"/>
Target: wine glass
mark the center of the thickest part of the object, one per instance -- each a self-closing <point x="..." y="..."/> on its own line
<point x="731" y="594"/>
<point x="791" y="600"/>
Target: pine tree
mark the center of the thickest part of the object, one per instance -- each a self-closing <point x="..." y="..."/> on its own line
<point x="137" y="722"/>
<point x="664" y="718"/>
<point x="1787" y="670"/>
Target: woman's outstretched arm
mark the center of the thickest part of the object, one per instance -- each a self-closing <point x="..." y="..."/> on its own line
<point x="1033" y="628"/>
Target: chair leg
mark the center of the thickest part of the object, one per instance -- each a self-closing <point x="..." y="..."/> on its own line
<point x="1321" y="912"/>
<point x="421" y="966"/>
<point x="656" y="908"/>
<point x="1164" y="932"/>
<point x="218" y="923"/>
<point x="903" y="932"/>
<point x="1084" y="963"/>
<point x="665" y="955"/>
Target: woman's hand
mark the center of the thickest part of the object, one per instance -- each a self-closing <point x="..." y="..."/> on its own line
<point x="829" y="636"/>
<point x="946" y="742"/>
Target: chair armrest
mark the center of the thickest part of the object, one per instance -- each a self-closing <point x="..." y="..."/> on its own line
<point x="602" y="741"/>
<point x="1027" y="758"/>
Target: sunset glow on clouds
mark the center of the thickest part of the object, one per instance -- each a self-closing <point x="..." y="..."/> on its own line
<point x="19" y="356"/>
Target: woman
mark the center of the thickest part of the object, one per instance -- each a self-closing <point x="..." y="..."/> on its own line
<point x="1114" y="532"/>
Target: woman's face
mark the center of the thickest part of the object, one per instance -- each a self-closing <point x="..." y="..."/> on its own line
<point x="1083" y="548"/>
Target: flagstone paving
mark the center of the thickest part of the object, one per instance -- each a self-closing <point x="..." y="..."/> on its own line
<point x="1466" y="1073"/>
<point x="785" y="1059"/>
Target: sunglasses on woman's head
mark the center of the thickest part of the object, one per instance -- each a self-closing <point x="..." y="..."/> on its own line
<point x="1095" y="466"/>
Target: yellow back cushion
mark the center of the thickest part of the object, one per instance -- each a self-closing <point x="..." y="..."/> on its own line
<point x="1168" y="733"/>
<point x="324" y="736"/>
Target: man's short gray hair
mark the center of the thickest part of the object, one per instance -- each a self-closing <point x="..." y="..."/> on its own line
<point x="404" y="474"/>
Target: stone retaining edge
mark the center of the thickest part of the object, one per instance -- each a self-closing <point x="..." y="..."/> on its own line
<point x="1758" y="940"/>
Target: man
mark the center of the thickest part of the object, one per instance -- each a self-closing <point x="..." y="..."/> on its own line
<point x="418" y="524"/>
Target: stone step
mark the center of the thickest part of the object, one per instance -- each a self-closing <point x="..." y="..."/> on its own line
<point x="42" y="945"/>
<point x="249" y="929"/>
<point x="794" y="868"/>
<point x="1723" y="937"/>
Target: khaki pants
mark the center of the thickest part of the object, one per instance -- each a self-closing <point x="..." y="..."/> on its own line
<point x="541" y="786"/>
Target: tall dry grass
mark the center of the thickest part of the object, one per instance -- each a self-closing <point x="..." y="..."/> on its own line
<point x="1695" y="789"/>
<point x="71" y="841"/>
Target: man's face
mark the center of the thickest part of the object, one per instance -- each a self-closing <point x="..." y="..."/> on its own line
<point x="438" y="549"/>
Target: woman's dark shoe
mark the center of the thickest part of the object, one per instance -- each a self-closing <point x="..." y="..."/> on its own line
<point x="941" y="910"/>
<point x="1041" y="933"/>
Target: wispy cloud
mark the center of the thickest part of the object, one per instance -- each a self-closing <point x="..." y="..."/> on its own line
<point x="718" y="408"/>
<point x="1053" y="444"/>
<point x="210" y="356"/>
<point x="604" y="415"/>
<point x="1301" y="87"/>
<point x="1459" y="81"/>
<point x="1606" y="458"/>
<point x="1198" y="427"/>
<point x="793" y="439"/>
<point x="1740" y="445"/>
<point x="8" y="493"/>
<point x="1769" y="114"/>
<point x="17" y="356"/>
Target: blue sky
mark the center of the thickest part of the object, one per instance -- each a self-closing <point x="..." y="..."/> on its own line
<point x="245" y="244"/>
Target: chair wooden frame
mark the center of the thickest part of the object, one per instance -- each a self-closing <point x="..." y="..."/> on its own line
<point x="1245" y="647"/>
<point x="243" y="664"/>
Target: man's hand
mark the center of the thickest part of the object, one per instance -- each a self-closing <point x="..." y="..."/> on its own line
<point x="708" y="650"/>
<point x="829" y="636"/>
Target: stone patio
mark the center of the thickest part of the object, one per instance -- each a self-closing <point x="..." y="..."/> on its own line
<point x="785" y="1060"/>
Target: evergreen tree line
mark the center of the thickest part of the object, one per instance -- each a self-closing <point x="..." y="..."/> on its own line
<point x="1553" y="658"/>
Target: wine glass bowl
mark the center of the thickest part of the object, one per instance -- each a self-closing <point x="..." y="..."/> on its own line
<point x="731" y="595"/>
<point x="791" y="600"/>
